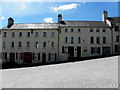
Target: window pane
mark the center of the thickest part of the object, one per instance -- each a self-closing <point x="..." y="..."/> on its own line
<point x="36" y="34"/>
<point x="66" y="30"/>
<point x="104" y="39"/>
<point x="91" y="39"/>
<point x="28" y="34"/>
<point x="52" y="34"/>
<point x="98" y="40"/>
<point x="44" y="34"/>
<point x="72" y="40"/>
<point x="20" y="34"/>
<point x="72" y="30"/>
<point x="13" y="34"/>
<point x="4" y="34"/>
<point x="78" y="30"/>
<point x="91" y="30"/>
<point x="66" y="39"/>
<point x="79" y="40"/>
<point x="116" y="28"/>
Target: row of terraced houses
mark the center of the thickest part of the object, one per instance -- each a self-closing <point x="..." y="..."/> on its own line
<point x="62" y="41"/>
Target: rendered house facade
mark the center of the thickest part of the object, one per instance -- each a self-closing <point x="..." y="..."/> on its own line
<point x="62" y="41"/>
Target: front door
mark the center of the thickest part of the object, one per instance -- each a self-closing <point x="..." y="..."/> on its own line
<point x="12" y="57"/>
<point x="78" y="51"/>
<point x="71" y="51"/>
<point x="28" y="57"/>
<point x="44" y="57"/>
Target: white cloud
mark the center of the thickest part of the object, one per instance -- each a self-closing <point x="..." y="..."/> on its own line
<point x="23" y="6"/>
<point x="48" y="20"/>
<point x="2" y="18"/>
<point x="65" y="7"/>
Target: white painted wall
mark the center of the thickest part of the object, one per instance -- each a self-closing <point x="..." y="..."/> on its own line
<point x="85" y="35"/>
<point x="32" y="39"/>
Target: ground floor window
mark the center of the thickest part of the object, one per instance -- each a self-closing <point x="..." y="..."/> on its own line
<point x="4" y="55"/>
<point x="64" y="49"/>
<point x="19" y="56"/>
<point x="95" y="50"/>
<point x="36" y="56"/>
<point x="52" y="56"/>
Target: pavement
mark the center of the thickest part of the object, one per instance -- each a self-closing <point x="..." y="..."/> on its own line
<point x="96" y="73"/>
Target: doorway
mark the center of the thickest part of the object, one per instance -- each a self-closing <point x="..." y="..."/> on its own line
<point x="27" y="57"/>
<point x="44" y="57"/>
<point x="78" y="51"/>
<point x="12" y="57"/>
<point x="71" y="51"/>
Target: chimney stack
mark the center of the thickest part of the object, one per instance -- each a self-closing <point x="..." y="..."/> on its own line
<point x="104" y="16"/>
<point x="59" y="18"/>
<point x="10" y="22"/>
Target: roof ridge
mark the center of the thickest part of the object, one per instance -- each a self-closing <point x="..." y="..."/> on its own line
<point x="83" y="21"/>
<point x="35" y="23"/>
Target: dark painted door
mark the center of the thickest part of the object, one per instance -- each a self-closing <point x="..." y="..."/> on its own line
<point x="12" y="57"/>
<point x="78" y="51"/>
<point x="28" y="57"/>
<point x="44" y="57"/>
<point x="71" y="51"/>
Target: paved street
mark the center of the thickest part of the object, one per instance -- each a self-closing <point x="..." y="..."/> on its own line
<point x="96" y="73"/>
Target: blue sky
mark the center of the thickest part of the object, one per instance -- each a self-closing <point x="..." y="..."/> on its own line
<point x="45" y="12"/>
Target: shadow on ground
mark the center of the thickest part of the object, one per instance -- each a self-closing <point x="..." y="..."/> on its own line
<point x="9" y="65"/>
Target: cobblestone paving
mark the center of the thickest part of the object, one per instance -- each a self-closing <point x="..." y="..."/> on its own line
<point x="98" y="73"/>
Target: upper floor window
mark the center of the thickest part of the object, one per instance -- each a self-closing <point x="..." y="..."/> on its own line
<point x="72" y="30"/>
<point x="66" y="39"/>
<point x="116" y="28"/>
<point x="97" y="30"/>
<point x="52" y="44"/>
<point x="28" y="44"/>
<point x="91" y="39"/>
<point x="104" y="30"/>
<point x="117" y="38"/>
<point x="52" y="34"/>
<point x="36" y="34"/>
<point x="78" y="30"/>
<point x="44" y="34"/>
<point x="12" y="44"/>
<point x="4" y="34"/>
<point x="20" y="44"/>
<point x="91" y="30"/>
<point x="79" y="40"/>
<point x="4" y="45"/>
<point x="28" y="34"/>
<point x="104" y="40"/>
<point x="72" y="40"/>
<point x="66" y="30"/>
<point x="13" y="34"/>
<point x="44" y="44"/>
<point x="36" y="44"/>
<point x="20" y="34"/>
<point x="98" y="40"/>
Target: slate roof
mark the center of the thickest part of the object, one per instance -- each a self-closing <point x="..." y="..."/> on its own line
<point x="114" y="19"/>
<point x="33" y="26"/>
<point x="84" y="24"/>
<point x="56" y="25"/>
